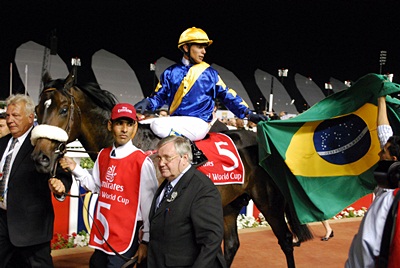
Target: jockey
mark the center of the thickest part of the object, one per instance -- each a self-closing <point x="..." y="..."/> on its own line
<point x="190" y="89"/>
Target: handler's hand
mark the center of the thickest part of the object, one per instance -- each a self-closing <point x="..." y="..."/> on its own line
<point x="67" y="163"/>
<point x="56" y="186"/>
<point x="141" y="253"/>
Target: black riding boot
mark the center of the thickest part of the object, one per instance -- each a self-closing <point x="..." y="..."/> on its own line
<point x="198" y="157"/>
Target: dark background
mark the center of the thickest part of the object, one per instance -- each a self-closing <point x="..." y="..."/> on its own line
<point x="319" y="39"/>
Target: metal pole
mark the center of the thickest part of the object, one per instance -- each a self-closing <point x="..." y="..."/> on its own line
<point x="382" y="60"/>
<point x="26" y="79"/>
<point x="271" y="95"/>
<point x="11" y="66"/>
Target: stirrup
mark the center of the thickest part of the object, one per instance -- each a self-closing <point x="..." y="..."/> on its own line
<point x="199" y="157"/>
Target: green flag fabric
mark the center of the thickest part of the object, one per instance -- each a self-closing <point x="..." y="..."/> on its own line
<point x="323" y="159"/>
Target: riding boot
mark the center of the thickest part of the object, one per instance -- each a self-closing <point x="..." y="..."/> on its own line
<point x="198" y="157"/>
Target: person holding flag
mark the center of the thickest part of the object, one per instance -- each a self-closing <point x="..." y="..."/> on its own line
<point x="366" y="244"/>
<point x="323" y="159"/>
<point x="390" y="144"/>
<point x="365" y="250"/>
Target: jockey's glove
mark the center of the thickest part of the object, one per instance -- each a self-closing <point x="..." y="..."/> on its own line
<point x="142" y="105"/>
<point x="255" y="118"/>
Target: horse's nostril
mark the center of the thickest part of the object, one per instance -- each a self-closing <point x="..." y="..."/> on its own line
<point x="41" y="160"/>
<point x="45" y="161"/>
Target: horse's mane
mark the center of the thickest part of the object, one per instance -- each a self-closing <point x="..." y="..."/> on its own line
<point x="102" y="98"/>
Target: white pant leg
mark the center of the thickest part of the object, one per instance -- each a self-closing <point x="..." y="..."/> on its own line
<point x="193" y="128"/>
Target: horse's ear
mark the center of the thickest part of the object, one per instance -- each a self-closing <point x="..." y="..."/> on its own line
<point x="69" y="81"/>
<point x="46" y="78"/>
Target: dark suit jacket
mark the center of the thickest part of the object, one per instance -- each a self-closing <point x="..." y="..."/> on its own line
<point x="30" y="214"/>
<point x="188" y="231"/>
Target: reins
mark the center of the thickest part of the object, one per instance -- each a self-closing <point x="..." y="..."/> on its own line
<point x="60" y="151"/>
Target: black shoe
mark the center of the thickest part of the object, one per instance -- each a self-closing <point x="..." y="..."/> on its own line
<point x="327" y="238"/>
<point x="296" y="244"/>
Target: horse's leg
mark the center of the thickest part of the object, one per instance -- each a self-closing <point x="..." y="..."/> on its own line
<point x="231" y="237"/>
<point x="271" y="203"/>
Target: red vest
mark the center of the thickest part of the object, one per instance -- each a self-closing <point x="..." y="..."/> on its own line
<point x="117" y="205"/>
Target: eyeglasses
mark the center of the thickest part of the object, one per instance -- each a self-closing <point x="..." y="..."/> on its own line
<point x="166" y="159"/>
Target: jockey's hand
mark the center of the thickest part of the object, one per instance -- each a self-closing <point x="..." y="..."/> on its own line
<point x="255" y="118"/>
<point x="56" y="186"/>
<point x="67" y="163"/>
<point x="142" y="105"/>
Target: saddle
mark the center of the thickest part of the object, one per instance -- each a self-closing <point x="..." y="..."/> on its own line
<point x="217" y="157"/>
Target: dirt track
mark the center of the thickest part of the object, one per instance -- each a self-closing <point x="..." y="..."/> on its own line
<point x="259" y="249"/>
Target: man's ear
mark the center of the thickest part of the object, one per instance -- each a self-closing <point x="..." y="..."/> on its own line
<point x="135" y="128"/>
<point x="185" y="48"/>
<point x="31" y="118"/>
<point x="186" y="157"/>
<point x="394" y="158"/>
<point x="109" y="125"/>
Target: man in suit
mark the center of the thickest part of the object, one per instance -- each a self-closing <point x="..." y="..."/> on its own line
<point x="26" y="210"/>
<point x="186" y="226"/>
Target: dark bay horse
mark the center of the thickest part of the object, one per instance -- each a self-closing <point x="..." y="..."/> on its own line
<point x="83" y="112"/>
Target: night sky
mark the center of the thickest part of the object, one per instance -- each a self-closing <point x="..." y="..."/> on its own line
<point x="319" y="39"/>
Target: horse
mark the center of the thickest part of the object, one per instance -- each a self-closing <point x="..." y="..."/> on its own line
<point x="83" y="112"/>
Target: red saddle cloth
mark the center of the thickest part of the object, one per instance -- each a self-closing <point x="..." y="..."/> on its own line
<point x="224" y="164"/>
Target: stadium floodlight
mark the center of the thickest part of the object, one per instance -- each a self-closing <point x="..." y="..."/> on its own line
<point x="382" y="60"/>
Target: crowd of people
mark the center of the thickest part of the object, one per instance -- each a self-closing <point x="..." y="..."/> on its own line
<point x="138" y="216"/>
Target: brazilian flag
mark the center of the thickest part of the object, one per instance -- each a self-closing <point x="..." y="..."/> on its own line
<point x="323" y="159"/>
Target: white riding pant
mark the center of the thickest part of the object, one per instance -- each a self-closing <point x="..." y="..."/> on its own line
<point x="193" y="128"/>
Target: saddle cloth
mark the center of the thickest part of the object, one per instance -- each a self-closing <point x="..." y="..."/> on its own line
<point x="224" y="164"/>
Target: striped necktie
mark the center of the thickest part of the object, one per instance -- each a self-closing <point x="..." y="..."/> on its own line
<point x="167" y="193"/>
<point x="6" y="169"/>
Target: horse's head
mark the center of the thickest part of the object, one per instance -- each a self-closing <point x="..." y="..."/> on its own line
<point x="59" y="120"/>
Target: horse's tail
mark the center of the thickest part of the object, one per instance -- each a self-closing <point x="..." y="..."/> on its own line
<point x="302" y="231"/>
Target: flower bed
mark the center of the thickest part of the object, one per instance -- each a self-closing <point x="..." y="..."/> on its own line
<point x="74" y="240"/>
<point x="350" y="212"/>
<point x="244" y="221"/>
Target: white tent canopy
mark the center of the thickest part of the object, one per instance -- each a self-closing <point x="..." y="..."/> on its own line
<point x="281" y="98"/>
<point x="308" y="89"/>
<point x="233" y="82"/>
<point x="29" y="60"/>
<point x="162" y="64"/>
<point x="337" y="85"/>
<point x="115" y="75"/>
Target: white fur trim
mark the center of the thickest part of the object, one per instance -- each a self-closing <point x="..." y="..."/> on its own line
<point x="48" y="132"/>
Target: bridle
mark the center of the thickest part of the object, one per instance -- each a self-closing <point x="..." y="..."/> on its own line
<point x="62" y="146"/>
<point x="71" y="109"/>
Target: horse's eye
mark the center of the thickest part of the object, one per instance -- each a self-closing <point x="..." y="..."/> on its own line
<point x="63" y="111"/>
